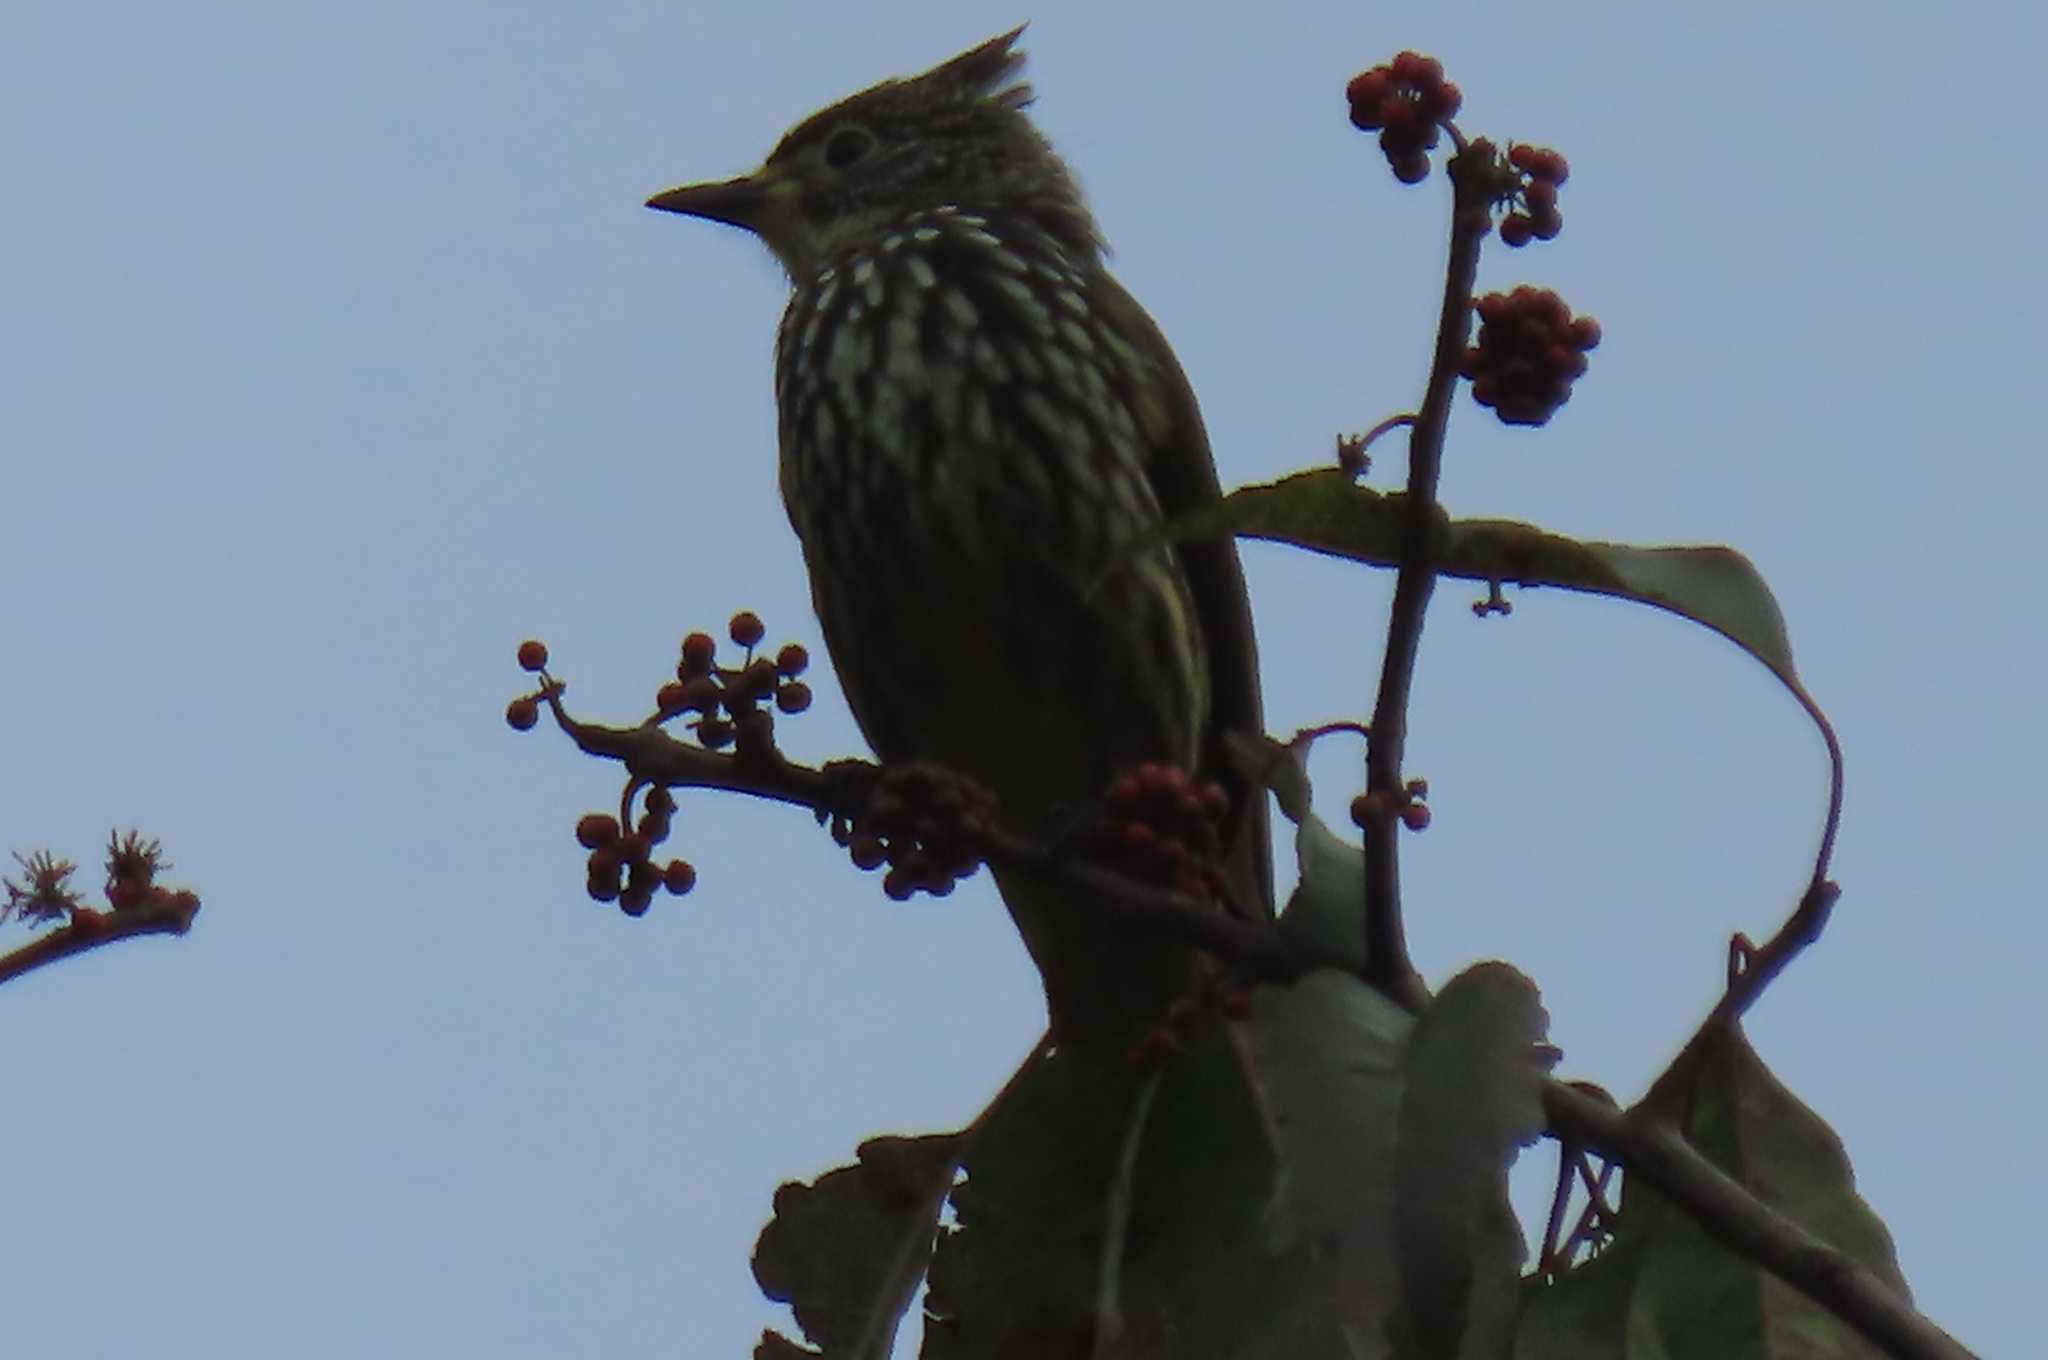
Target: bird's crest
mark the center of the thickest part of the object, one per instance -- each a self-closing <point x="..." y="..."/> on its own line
<point x="981" y="71"/>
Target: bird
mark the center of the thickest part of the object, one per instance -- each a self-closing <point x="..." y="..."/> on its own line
<point x="981" y="433"/>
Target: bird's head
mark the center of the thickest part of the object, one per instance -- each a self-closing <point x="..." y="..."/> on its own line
<point x="955" y="136"/>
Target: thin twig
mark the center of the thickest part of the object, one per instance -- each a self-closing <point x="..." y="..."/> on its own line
<point x="1386" y="947"/>
<point x="651" y="754"/>
<point x="1551" y="1262"/>
<point x="1594" y="1221"/>
<point x="1750" y="970"/>
<point x="159" y="914"/>
<point x="1652" y="1149"/>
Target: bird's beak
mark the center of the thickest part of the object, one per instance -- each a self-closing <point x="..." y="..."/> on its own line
<point x="744" y="202"/>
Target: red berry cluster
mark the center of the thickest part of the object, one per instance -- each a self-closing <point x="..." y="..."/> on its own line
<point x="1159" y="824"/>
<point x="620" y="866"/>
<point x="1167" y="1038"/>
<point x="1407" y="101"/>
<point x="926" y="822"/>
<point x="728" y="700"/>
<point x="1539" y="171"/>
<point x="1531" y="348"/>
<point x="1154" y="1047"/>
<point x="1408" y="805"/>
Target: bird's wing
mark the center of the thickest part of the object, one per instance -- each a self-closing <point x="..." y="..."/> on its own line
<point x="1183" y="477"/>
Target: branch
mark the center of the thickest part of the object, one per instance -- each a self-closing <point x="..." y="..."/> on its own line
<point x="1651" y="1148"/>
<point x="1639" y="1140"/>
<point x="159" y="914"/>
<point x="1386" y="947"/>
<point x="652" y="755"/>
<point x="1750" y="971"/>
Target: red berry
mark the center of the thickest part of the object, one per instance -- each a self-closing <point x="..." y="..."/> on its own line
<point x="533" y="656"/>
<point x="679" y="877"/>
<point x="793" y="696"/>
<point x="672" y="698"/>
<point x="522" y="714"/>
<point x="596" y="829"/>
<point x="715" y="733"/>
<point x="887" y="814"/>
<point x="1159" y="1043"/>
<point x="867" y="850"/>
<point x="746" y="628"/>
<point x="698" y="650"/>
<point x="757" y="681"/>
<point x="701" y="695"/>
<point x="1366" y="93"/>
<point x="792" y="660"/>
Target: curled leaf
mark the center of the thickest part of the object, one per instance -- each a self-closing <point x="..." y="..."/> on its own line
<point x="1716" y="587"/>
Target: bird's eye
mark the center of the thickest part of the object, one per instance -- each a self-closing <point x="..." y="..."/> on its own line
<point x="846" y="146"/>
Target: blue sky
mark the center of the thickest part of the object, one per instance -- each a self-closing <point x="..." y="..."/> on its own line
<point x="338" y="355"/>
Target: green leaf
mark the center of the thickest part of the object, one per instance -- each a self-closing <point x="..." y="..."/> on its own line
<point x="847" y="1251"/>
<point x="1327" y="512"/>
<point x="1389" y="1220"/>
<point x="1324" y="919"/>
<point x="1585" y="1314"/>
<point x="1736" y="1112"/>
<point x="1716" y="587"/>
<point x="1475" y="1071"/>
<point x="1331" y="1055"/>
<point x="1664" y="1289"/>
<point x="1105" y="1211"/>
<point x="1015" y="1276"/>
